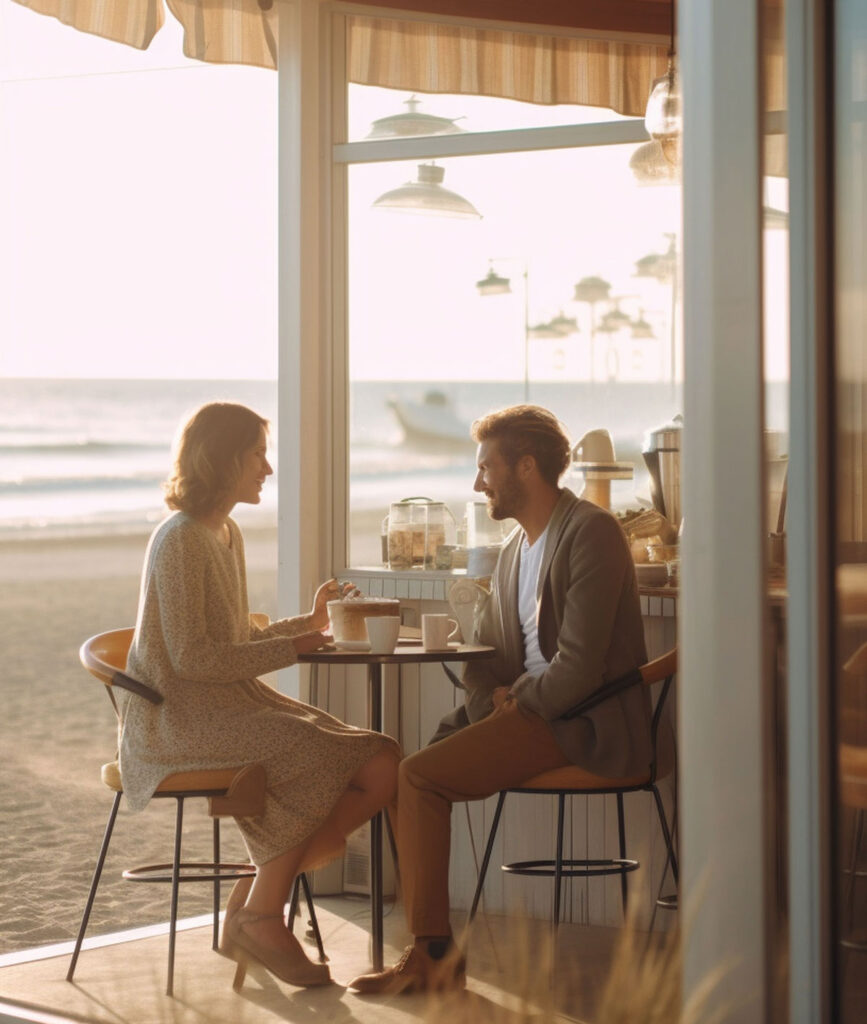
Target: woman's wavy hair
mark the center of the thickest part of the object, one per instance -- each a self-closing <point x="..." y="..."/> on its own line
<point x="528" y="430"/>
<point x="208" y="454"/>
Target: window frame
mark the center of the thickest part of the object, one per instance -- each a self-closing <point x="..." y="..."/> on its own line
<point x="344" y="155"/>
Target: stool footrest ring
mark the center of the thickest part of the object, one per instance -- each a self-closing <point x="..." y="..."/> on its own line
<point x="572" y="868"/>
<point x="189" y="872"/>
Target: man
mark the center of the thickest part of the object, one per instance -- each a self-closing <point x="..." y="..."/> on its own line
<point x="564" y="618"/>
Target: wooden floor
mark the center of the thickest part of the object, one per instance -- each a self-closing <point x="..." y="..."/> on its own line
<point x="509" y="980"/>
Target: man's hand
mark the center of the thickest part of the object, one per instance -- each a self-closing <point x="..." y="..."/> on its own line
<point x="500" y="694"/>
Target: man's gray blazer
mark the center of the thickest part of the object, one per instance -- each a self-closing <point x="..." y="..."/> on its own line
<point x="589" y="629"/>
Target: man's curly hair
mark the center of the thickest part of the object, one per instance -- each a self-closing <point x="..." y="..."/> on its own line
<point x="528" y="430"/>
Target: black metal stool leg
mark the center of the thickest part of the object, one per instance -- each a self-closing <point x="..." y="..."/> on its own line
<point x="392" y="845"/>
<point x="293" y="904"/>
<point x="492" y="835"/>
<point x="850" y="944"/>
<point x="97" y="874"/>
<point x="215" y="941"/>
<point x="852" y="871"/>
<point x="558" y="863"/>
<point x="668" y="902"/>
<point x="621" y="835"/>
<point x="669" y="842"/>
<point x="176" y="879"/>
<point x="314" y="924"/>
<point x="656" y="902"/>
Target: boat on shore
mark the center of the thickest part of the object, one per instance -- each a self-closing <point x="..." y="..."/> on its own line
<point x="431" y="422"/>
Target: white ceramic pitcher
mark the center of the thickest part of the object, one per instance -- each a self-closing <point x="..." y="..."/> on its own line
<point x="467" y="599"/>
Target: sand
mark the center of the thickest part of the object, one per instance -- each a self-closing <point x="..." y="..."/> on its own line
<point x="58" y="728"/>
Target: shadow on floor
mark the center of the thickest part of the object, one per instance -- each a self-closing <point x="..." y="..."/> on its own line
<point x="509" y="978"/>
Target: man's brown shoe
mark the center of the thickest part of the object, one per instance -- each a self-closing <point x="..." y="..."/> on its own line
<point x="416" y="971"/>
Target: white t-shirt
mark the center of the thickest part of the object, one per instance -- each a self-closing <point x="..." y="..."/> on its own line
<point x="528" y="580"/>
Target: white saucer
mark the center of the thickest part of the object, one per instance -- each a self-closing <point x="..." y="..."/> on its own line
<point x="352" y="645"/>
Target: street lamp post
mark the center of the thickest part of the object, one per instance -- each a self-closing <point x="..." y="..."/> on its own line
<point x="662" y="266"/>
<point x="494" y="284"/>
<point x="592" y="290"/>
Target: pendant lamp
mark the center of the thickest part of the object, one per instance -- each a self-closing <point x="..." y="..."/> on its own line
<point x="663" y="117"/>
<point x="426" y="195"/>
<point x="412" y="123"/>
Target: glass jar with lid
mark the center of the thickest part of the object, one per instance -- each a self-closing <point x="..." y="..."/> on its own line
<point x="416" y="528"/>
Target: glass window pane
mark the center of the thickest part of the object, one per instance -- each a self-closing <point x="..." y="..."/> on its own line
<point x="564" y="292"/>
<point x="776" y="362"/>
<point x="375" y="113"/>
<point x="850" y="394"/>
<point x="120" y="300"/>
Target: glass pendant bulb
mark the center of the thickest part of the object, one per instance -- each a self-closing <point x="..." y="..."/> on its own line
<point x="663" y="118"/>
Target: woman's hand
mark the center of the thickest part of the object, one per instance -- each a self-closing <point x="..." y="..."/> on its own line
<point x="306" y="643"/>
<point x="330" y="590"/>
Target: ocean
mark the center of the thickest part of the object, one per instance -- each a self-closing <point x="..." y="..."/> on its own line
<point x="85" y="457"/>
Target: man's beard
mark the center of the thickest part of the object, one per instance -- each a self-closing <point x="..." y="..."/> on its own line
<point x="508" y="502"/>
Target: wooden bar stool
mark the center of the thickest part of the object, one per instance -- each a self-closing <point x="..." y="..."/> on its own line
<point x="574" y="781"/>
<point x="230" y="792"/>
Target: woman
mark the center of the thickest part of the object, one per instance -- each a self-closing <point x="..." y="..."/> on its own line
<point x="195" y="643"/>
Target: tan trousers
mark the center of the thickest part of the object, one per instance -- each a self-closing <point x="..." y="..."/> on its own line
<point x="504" y="749"/>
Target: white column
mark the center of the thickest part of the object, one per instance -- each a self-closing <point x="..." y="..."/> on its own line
<point x="721" y="685"/>
<point x="304" y="417"/>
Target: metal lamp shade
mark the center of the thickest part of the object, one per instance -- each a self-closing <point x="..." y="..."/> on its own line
<point x="414" y="122"/>
<point x="427" y="196"/>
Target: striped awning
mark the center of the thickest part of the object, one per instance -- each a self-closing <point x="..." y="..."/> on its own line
<point x="217" y="31"/>
<point x="604" y="68"/>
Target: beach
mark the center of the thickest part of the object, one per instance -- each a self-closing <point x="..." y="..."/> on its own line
<point x="58" y="728"/>
<point x="81" y="464"/>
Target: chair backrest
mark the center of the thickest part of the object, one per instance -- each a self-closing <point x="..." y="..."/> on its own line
<point x="660" y="670"/>
<point x="104" y="656"/>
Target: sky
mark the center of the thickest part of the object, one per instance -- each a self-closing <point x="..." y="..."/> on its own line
<point x="138" y="208"/>
<point x="139" y="236"/>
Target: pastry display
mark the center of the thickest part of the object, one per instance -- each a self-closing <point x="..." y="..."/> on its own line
<point x="347" y="617"/>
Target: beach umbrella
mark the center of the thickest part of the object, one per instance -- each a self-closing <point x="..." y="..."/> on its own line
<point x="641" y="328"/>
<point x="564" y="324"/>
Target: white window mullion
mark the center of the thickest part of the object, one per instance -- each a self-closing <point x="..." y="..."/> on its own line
<point x="721" y="690"/>
<point x="517" y="140"/>
<point x="339" y="299"/>
<point x="304" y="385"/>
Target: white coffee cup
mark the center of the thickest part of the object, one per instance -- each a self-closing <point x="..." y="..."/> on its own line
<point x="435" y="631"/>
<point x="382" y="631"/>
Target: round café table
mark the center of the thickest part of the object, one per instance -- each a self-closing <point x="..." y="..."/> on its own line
<point x="406" y="653"/>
